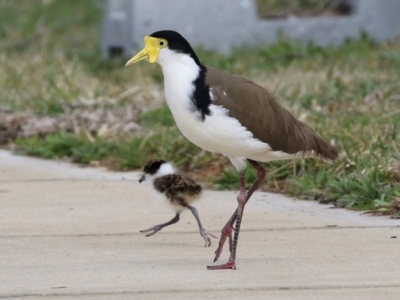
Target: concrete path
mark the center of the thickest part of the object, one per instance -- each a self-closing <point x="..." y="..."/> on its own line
<point x="68" y="232"/>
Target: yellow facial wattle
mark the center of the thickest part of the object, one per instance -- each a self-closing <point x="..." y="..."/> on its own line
<point x="152" y="47"/>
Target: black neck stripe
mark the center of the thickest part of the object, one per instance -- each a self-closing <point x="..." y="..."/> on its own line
<point x="201" y="94"/>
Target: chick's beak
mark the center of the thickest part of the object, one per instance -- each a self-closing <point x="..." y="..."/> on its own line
<point x="141" y="179"/>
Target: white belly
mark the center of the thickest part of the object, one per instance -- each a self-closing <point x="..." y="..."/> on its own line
<point x="220" y="133"/>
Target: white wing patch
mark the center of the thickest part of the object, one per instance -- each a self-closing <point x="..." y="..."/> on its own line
<point x="212" y="95"/>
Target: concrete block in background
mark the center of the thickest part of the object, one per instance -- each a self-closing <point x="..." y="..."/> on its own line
<point x="223" y="24"/>
<point x="117" y="30"/>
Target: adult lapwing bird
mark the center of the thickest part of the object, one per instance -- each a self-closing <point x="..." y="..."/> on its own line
<point x="178" y="189"/>
<point x="227" y="114"/>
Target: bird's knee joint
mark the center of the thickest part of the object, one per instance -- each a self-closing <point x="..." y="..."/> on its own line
<point x="242" y="198"/>
<point x="226" y="230"/>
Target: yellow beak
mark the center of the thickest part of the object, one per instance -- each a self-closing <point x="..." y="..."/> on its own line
<point x="150" y="51"/>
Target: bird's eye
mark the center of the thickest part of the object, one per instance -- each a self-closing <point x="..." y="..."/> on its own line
<point x="162" y="43"/>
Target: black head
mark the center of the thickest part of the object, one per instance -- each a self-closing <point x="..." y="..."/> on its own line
<point x="152" y="168"/>
<point x="176" y="42"/>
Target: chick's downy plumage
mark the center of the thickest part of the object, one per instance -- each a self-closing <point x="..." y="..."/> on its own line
<point x="178" y="189"/>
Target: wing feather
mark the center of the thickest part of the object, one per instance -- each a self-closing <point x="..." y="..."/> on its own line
<point x="265" y="117"/>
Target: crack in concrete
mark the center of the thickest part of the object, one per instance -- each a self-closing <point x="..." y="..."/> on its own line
<point x="62" y="180"/>
<point x="174" y="291"/>
<point x="327" y="227"/>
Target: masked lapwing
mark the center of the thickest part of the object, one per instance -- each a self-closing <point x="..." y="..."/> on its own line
<point x="231" y="115"/>
<point x="178" y="189"/>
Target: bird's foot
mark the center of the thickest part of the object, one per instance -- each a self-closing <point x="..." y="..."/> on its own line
<point x="229" y="265"/>
<point x="153" y="230"/>
<point x="206" y="235"/>
<point x="225" y="233"/>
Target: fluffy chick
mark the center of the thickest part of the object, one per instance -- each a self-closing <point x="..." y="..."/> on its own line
<point x="180" y="190"/>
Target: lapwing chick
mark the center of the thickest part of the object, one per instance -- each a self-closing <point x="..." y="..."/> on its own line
<point x="231" y="115"/>
<point x="178" y="189"/>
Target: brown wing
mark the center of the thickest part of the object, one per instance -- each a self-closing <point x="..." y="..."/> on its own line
<point x="177" y="184"/>
<point x="261" y="113"/>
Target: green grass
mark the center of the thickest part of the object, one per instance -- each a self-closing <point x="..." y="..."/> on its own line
<point x="50" y="65"/>
<point x="80" y="149"/>
<point x="122" y="155"/>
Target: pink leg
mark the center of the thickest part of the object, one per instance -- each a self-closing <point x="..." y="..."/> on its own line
<point x="242" y="198"/>
<point x="227" y="229"/>
<point x="226" y="232"/>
